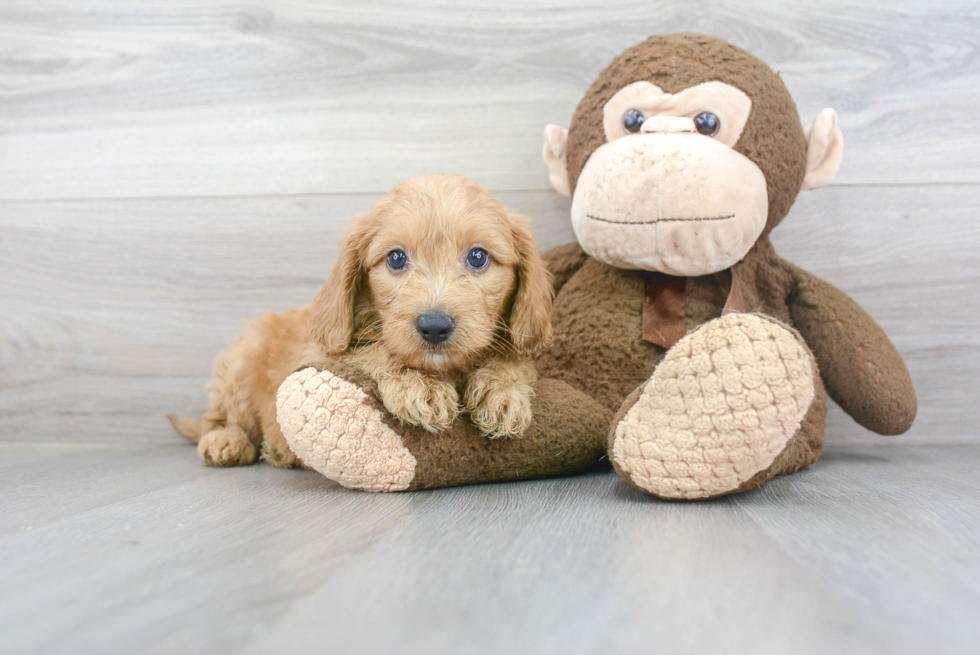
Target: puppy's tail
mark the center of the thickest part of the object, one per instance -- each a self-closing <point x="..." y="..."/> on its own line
<point x="191" y="429"/>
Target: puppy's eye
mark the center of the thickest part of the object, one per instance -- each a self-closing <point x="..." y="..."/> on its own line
<point x="397" y="259"/>
<point x="478" y="259"/>
<point x="707" y="123"/>
<point x="633" y="120"/>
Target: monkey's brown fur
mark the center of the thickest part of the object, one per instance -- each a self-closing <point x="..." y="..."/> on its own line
<point x="868" y="380"/>
<point x="772" y="138"/>
<point x="599" y="346"/>
<point x="599" y="359"/>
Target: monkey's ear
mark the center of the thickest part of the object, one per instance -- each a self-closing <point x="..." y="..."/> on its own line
<point x="824" y="150"/>
<point x="332" y="312"/>
<point x="554" y="153"/>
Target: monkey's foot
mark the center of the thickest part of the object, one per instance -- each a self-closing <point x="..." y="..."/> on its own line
<point x="333" y="428"/>
<point x="717" y="412"/>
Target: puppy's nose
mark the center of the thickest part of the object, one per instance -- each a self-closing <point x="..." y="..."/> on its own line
<point x="435" y="328"/>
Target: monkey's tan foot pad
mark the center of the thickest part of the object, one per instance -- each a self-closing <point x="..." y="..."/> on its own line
<point x="718" y="410"/>
<point x="333" y="427"/>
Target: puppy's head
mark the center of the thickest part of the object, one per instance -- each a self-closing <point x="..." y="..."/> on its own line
<point x="439" y="272"/>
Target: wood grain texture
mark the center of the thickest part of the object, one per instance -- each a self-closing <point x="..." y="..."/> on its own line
<point x="137" y="548"/>
<point x="113" y="310"/>
<point x="108" y="99"/>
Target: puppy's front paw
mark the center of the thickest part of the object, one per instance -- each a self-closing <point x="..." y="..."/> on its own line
<point x="499" y="403"/>
<point x="227" y="446"/>
<point x="418" y="399"/>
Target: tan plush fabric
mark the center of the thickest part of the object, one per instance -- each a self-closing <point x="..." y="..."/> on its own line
<point x="731" y="105"/>
<point x="718" y="410"/>
<point x="824" y="150"/>
<point x="329" y="424"/>
<point x="657" y="203"/>
<point x="660" y="196"/>
<point x="553" y="153"/>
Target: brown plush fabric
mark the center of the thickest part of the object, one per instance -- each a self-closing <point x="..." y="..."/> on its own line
<point x="772" y="138"/>
<point x="594" y="371"/>
<point x="664" y="304"/>
<point x="666" y="299"/>
<point x="566" y="437"/>
<point x="869" y="379"/>
<point x="599" y="347"/>
<point x="598" y="324"/>
<point x="860" y="367"/>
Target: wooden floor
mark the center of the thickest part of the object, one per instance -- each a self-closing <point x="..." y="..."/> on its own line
<point x="136" y="548"/>
<point x="169" y="168"/>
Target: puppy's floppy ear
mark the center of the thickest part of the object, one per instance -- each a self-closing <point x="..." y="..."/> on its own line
<point x="332" y="317"/>
<point x="530" y="316"/>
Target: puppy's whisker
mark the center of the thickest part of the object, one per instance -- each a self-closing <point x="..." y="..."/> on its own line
<point x="376" y="324"/>
<point x="372" y="328"/>
<point x="511" y="330"/>
<point x="502" y="329"/>
<point x="369" y="333"/>
<point x="502" y="345"/>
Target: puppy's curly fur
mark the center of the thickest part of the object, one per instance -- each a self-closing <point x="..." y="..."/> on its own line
<point x="367" y="313"/>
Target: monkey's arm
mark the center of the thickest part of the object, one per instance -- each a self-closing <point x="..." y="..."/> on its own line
<point x="563" y="262"/>
<point x="860" y="367"/>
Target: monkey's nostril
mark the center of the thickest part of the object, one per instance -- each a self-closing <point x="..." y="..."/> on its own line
<point x="435" y="328"/>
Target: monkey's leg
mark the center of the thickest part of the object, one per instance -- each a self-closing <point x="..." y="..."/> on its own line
<point x="332" y="420"/>
<point x="731" y="405"/>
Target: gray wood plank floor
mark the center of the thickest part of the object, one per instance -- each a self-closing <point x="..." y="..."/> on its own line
<point x="872" y="550"/>
<point x="170" y="168"/>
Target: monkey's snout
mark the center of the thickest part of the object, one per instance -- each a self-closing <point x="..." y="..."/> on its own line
<point x="435" y="328"/>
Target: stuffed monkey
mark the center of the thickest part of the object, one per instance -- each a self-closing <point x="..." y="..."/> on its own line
<point x="686" y="351"/>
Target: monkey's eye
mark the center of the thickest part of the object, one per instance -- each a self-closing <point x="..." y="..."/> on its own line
<point x="478" y="259"/>
<point x="397" y="260"/>
<point x="707" y="123"/>
<point x="633" y="120"/>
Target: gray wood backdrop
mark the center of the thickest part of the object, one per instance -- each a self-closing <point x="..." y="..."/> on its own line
<point x="168" y="169"/>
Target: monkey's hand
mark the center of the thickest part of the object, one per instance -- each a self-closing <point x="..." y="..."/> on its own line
<point x="498" y="397"/>
<point x="419" y="399"/>
<point x="860" y="367"/>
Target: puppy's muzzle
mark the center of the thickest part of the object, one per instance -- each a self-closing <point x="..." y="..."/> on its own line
<point x="435" y="328"/>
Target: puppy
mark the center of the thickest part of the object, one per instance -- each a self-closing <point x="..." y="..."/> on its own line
<point x="439" y="295"/>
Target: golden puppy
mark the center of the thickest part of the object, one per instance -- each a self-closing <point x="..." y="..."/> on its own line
<point x="438" y="291"/>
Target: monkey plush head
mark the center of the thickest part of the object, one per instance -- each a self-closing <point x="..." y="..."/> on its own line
<point x="683" y="153"/>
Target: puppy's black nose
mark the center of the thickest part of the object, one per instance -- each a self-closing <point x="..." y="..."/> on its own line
<point x="435" y="328"/>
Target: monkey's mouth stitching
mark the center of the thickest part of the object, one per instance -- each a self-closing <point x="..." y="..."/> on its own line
<point x="661" y="220"/>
